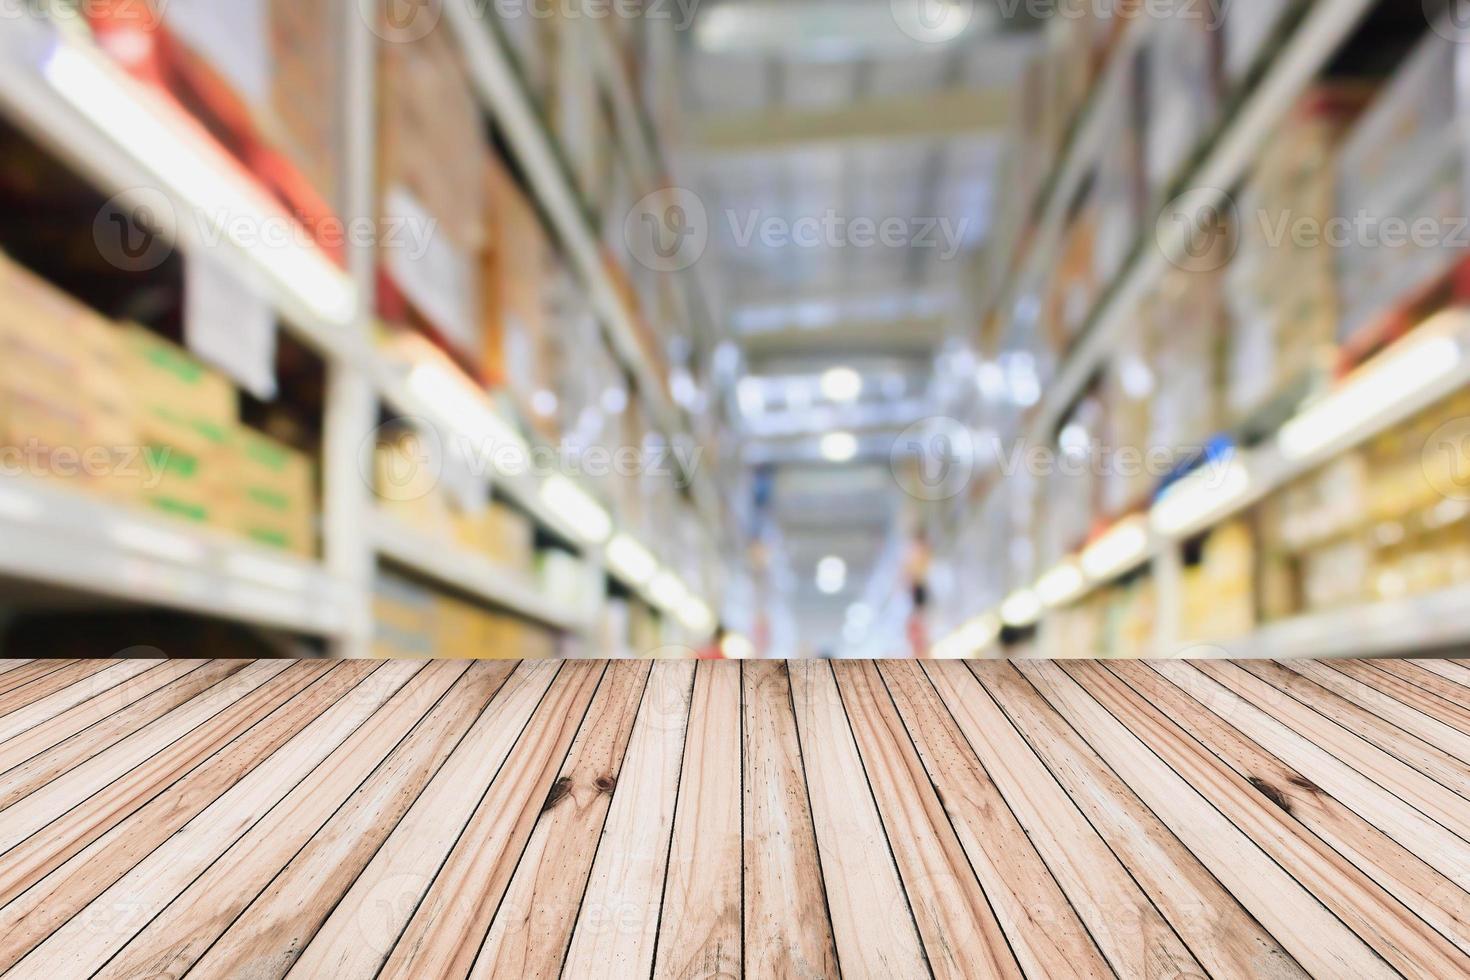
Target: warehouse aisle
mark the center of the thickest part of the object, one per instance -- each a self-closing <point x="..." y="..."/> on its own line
<point x="888" y="819"/>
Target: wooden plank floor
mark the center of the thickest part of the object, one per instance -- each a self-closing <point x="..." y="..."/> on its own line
<point x="859" y="819"/>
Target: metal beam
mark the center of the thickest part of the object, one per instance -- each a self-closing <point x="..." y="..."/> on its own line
<point x="955" y="112"/>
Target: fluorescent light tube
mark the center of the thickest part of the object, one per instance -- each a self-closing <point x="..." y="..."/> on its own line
<point x="207" y="182"/>
<point x="1391" y="379"/>
<point x="667" y="592"/>
<point x="736" y="647"/>
<point x="631" y="560"/>
<point x="1061" y="585"/>
<point x="839" y="447"/>
<point x="1192" y="503"/>
<point x="574" y="505"/>
<point x="696" y="616"/>
<point x="1122" y="547"/>
<point x="1021" y="609"/>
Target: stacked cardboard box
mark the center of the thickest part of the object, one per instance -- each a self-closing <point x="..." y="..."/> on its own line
<point x="1184" y="323"/>
<point x="413" y="621"/>
<point x="62" y="385"/>
<point x="1182" y="85"/>
<point x="155" y="426"/>
<point x="1280" y="284"/>
<point x="1402" y="185"/>
<point x="306" y="49"/>
<point x="516" y="269"/>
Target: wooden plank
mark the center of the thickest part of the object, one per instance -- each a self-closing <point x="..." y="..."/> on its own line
<point x="700" y="931"/>
<point x="24" y="674"/>
<point x="50" y="877"/>
<point x="12" y="663"/>
<point x="115" y="713"/>
<point x="86" y="941"/>
<point x="110" y="676"/>
<point x="1009" y="722"/>
<point x="158" y="753"/>
<point x="1434" y="695"/>
<point x="383" y="765"/>
<point x="74" y="672"/>
<point x="1450" y="670"/>
<point x="1448" y="771"/>
<point x="1435" y="801"/>
<point x="1438" y="847"/>
<point x="358" y="934"/>
<point x="1399" y="870"/>
<point x="618" y="921"/>
<point x="1315" y="937"/>
<point x="872" y="923"/>
<point x="1044" y="929"/>
<point x="1404" y="940"/>
<point x="533" y="927"/>
<point x="962" y="936"/>
<point x="1411" y="720"/>
<point x="444" y="935"/>
<point x="785" y="933"/>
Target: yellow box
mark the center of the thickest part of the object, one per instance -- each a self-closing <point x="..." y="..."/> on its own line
<point x="160" y="373"/>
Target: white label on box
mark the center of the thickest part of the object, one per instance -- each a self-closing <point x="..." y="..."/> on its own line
<point x="228" y="323"/>
<point x="233" y="36"/>
<point x="437" y="279"/>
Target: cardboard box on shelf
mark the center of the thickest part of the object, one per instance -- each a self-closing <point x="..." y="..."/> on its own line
<point x="500" y="533"/>
<point x="1180" y="66"/>
<point x="162" y="375"/>
<point x="1404" y="167"/>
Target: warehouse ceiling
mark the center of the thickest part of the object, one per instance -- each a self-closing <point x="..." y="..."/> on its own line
<point x="846" y="155"/>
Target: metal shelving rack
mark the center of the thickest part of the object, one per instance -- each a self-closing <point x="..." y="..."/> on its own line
<point x="1421" y="622"/>
<point x="58" y="538"/>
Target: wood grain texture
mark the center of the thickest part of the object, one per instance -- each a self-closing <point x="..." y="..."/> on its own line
<point x="617" y="925"/>
<point x="784" y="934"/>
<point x="533" y="926"/>
<point x="700" y="929"/>
<point x="717" y="820"/>
<point x="1041" y="925"/>
<point x="1008" y="721"/>
<point x="872" y="923"/>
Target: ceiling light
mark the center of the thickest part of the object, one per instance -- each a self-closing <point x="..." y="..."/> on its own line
<point x="970" y="639"/>
<point x="839" y="447"/>
<point x="209" y="184"/>
<point x="576" y="507"/>
<point x="1122" y="547"/>
<point x="1021" y="609"/>
<point x="1200" y="498"/>
<point x="1061" y="585"/>
<point x="831" y="575"/>
<point x="630" y="560"/>
<point x="842" y="384"/>
<point x="1390" y="380"/>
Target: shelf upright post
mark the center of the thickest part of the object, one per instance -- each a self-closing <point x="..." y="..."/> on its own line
<point x="1168" y="573"/>
<point x="351" y="404"/>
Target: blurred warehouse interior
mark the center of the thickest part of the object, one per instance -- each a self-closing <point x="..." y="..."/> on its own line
<point x="734" y="328"/>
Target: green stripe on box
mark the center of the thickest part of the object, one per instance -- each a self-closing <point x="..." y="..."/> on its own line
<point x="268" y="498"/>
<point x="178" y="508"/>
<point x="182" y="368"/>
<point x="275" y="539"/>
<point x="273" y="457"/>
